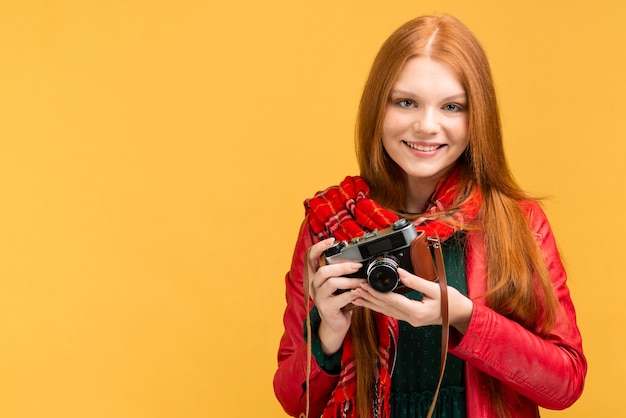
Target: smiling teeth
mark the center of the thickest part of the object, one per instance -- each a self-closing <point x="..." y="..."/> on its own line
<point x="422" y="147"/>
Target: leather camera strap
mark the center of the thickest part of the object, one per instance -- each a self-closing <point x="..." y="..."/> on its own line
<point x="445" y="319"/>
<point x="309" y="349"/>
<point x="445" y="323"/>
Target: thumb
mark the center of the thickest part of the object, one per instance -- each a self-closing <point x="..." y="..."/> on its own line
<point x="416" y="283"/>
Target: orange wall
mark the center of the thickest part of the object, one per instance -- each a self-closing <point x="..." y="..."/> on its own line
<point x="153" y="160"/>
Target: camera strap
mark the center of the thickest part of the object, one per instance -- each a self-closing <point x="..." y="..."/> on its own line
<point x="435" y="245"/>
<point x="422" y="250"/>
<point x="309" y="349"/>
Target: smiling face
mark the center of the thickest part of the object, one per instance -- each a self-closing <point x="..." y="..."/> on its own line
<point x="425" y="126"/>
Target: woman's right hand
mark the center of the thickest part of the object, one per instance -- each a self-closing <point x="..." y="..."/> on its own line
<point x="323" y="286"/>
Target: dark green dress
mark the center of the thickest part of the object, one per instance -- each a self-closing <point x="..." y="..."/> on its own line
<point x="418" y="359"/>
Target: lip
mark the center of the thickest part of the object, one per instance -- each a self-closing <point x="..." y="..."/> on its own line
<point x="424" y="148"/>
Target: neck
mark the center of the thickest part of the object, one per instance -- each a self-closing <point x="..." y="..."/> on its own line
<point x="418" y="194"/>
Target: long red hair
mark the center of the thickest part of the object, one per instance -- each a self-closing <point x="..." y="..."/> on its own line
<point x="515" y="263"/>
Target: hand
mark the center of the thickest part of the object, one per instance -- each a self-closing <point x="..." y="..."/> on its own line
<point x="325" y="281"/>
<point x="418" y="313"/>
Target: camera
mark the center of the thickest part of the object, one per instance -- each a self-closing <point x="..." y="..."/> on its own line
<point x="381" y="252"/>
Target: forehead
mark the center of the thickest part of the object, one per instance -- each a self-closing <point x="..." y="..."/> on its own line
<point x="425" y="74"/>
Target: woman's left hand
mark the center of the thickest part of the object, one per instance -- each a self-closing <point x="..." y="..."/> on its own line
<point x="415" y="312"/>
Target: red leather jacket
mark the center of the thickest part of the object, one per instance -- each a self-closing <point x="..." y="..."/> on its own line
<point x="547" y="372"/>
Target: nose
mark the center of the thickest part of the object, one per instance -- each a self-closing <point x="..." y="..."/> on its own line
<point x="426" y="122"/>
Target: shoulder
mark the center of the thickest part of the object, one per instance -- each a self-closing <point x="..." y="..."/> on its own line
<point x="532" y="210"/>
<point x="537" y="219"/>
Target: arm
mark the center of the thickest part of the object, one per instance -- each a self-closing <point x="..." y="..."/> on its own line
<point x="290" y="377"/>
<point x="550" y="371"/>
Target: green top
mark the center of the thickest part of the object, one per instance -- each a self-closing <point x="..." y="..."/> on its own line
<point x="418" y="358"/>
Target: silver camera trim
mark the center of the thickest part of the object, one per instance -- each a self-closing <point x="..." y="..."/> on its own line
<point x="350" y="249"/>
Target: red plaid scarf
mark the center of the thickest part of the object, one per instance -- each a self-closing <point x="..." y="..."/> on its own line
<point x="347" y="211"/>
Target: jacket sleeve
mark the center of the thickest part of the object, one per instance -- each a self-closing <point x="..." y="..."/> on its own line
<point x="550" y="371"/>
<point x="290" y="377"/>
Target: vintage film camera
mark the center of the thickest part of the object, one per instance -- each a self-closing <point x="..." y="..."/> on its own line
<point x="381" y="252"/>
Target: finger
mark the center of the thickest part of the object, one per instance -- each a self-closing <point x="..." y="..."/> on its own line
<point x="312" y="257"/>
<point x="428" y="288"/>
<point x="335" y="271"/>
<point x="388" y="301"/>
<point x="343" y="299"/>
<point x="316" y="250"/>
<point x="390" y="304"/>
<point x="338" y="285"/>
<point x="384" y="303"/>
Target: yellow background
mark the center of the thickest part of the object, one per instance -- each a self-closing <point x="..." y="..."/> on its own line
<point x="154" y="156"/>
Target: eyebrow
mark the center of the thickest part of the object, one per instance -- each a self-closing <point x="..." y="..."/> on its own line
<point x="459" y="96"/>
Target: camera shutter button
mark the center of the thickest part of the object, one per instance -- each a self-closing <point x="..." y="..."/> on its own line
<point x="334" y="250"/>
<point x="400" y="223"/>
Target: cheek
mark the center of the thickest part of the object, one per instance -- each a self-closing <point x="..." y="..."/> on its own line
<point x="394" y="123"/>
<point x="459" y="132"/>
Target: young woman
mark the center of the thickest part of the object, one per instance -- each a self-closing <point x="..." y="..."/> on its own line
<point x="429" y="146"/>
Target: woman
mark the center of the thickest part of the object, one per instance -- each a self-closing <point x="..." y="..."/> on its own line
<point x="429" y="147"/>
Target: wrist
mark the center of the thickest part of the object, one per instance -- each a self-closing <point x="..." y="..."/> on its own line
<point x="330" y="340"/>
<point x="461" y="312"/>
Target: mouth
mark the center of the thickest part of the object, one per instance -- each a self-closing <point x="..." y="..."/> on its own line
<point x="423" y="148"/>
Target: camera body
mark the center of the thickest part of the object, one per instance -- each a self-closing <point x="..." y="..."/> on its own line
<point x="381" y="252"/>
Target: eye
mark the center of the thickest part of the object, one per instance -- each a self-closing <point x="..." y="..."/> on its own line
<point x="406" y="103"/>
<point x="453" y="107"/>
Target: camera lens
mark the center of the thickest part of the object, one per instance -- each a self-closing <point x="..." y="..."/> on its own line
<point x="382" y="274"/>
